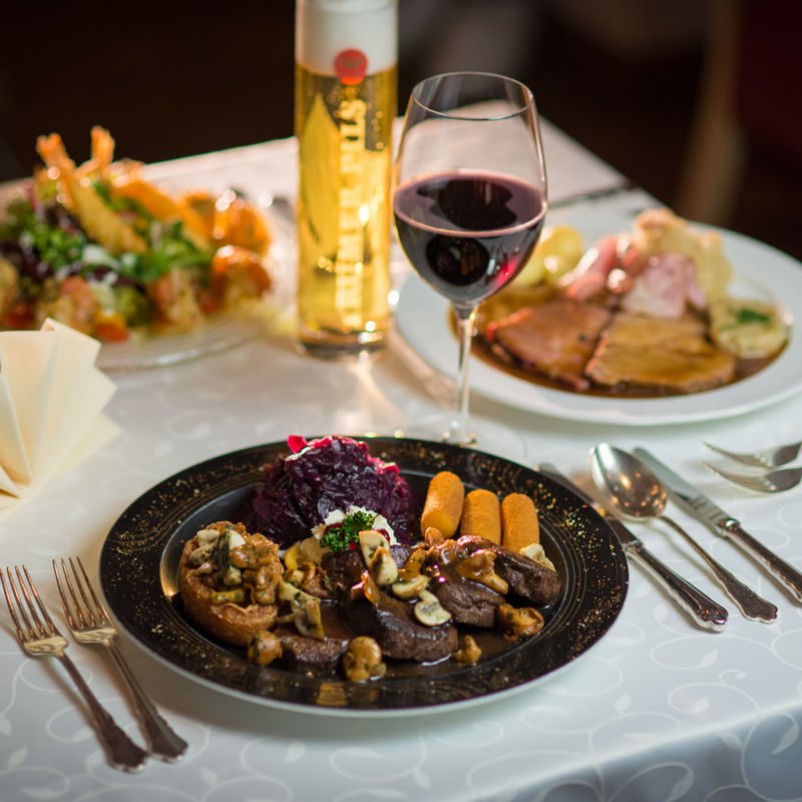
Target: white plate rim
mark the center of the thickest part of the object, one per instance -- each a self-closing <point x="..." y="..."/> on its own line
<point x="422" y="320"/>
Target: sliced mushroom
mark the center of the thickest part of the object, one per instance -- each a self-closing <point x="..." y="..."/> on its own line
<point x="382" y="567"/>
<point x="429" y="611"/>
<point x="202" y="553"/>
<point x="305" y="550"/>
<point x="366" y="589"/>
<point x="536" y="552"/>
<point x="433" y="536"/>
<point x="305" y="610"/>
<point x="369" y="541"/>
<point x="207" y="535"/>
<point x="308" y="620"/>
<point x="410" y="588"/>
<point x="519" y="622"/>
<point x="264" y="648"/>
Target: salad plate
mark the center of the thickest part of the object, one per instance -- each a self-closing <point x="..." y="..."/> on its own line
<point x="220" y="332"/>
<point x="422" y="318"/>
<point x="139" y="578"/>
<point x="217" y="332"/>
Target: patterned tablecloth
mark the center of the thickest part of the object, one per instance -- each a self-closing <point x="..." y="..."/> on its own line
<point x="657" y="710"/>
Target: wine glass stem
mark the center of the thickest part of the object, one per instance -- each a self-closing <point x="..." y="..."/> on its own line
<point x="460" y="432"/>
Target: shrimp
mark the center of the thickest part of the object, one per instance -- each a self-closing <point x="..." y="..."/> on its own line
<point x="237" y="273"/>
<point x="175" y="300"/>
<point x="228" y="219"/>
<point x="102" y="155"/>
<point x="163" y="207"/>
<point x="201" y="204"/>
<point x="75" y="305"/>
<point x="96" y="218"/>
<point x="236" y="222"/>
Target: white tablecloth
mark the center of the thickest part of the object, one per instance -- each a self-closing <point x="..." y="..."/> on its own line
<point x="657" y="710"/>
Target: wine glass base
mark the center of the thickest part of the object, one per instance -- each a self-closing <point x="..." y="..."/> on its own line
<point x="482" y="435"/>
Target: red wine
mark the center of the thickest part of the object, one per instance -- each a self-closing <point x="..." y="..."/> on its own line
<point x="468" y="233"/>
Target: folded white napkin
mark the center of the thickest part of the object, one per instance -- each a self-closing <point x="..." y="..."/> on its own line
<point x="51" y="397"/>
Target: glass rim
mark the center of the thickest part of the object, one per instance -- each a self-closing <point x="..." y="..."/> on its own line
<point x="527" y="96"/>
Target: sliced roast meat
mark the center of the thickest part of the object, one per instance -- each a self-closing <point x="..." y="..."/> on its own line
<point x="468" y="602"/>
<point x="531" y="581"/>
<point x="390" y="621"/>
<point x="555" y="339"/>
<point x="392" y="624"/>
<point x="299" y="651"/>
<point x="673" y="356"/>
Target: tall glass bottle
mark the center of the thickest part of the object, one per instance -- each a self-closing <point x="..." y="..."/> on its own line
<point x="345" y="102"/>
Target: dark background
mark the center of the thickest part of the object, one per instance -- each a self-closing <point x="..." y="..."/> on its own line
<point x="173" y="79"/>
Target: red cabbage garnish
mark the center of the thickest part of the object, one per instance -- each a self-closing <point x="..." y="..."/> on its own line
<point x="332" y="473"/>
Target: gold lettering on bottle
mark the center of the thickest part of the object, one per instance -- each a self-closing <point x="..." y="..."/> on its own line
<point x="350" y="242"/>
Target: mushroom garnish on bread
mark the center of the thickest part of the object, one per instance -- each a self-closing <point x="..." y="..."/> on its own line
<point x="229" y="581"/>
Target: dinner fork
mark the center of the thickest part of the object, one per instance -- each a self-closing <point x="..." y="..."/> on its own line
<point x="771" y="482"/>
<point x="765" y="458"/>
<point x="40" y="638"/>
<point x="90" y="624"/>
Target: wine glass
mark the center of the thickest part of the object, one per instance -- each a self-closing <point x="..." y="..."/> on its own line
<point x="469" y="201"/>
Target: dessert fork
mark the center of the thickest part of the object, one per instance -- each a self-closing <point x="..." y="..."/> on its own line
<point x="765" y="458"/>
<point x="40" y="638"/>
<point x="771" y="482"/>
<point x="90" y="624"/>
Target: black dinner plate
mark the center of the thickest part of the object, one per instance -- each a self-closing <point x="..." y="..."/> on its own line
<point x="139" y="577"/>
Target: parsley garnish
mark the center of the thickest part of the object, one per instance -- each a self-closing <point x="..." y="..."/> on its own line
<point x="340" y="536"/>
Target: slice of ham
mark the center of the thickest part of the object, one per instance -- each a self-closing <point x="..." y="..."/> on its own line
<point x="665" y="287"/>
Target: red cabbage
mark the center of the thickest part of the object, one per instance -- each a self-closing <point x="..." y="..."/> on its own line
<point x="332" y="473"/>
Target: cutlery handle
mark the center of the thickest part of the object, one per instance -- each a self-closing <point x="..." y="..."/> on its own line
<point x="704" y="610"/>
<point x="751" y="605"/>
<point x="781" y="570"/>
<point x="161" y="739"/>
<point x="122" y="752"/>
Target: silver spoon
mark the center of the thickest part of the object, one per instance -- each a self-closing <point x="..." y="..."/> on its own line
<point x="771" y="482"/>
<point x="766" y="458"/>
<point x="631" y="487"/>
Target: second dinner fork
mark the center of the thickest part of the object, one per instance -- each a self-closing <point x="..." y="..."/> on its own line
<point x="90" y="624"/>
<point x="772" y="482"/>
<point x="40" y="638"/>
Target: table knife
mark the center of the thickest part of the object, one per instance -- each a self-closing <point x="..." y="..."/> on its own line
<point x="703" y="610"/>
<point x="720" y="523"/>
